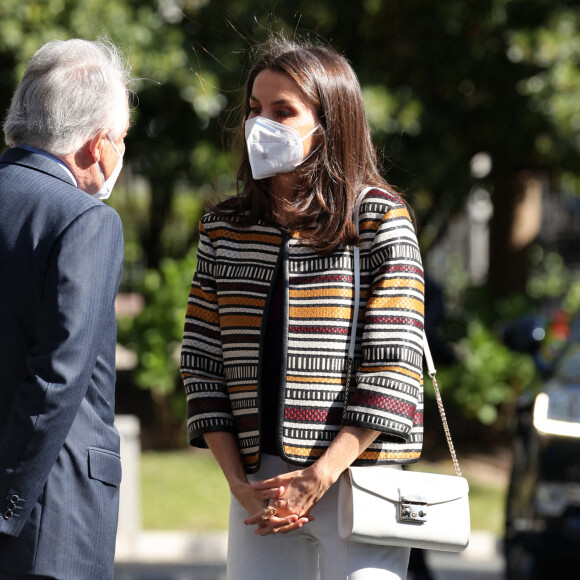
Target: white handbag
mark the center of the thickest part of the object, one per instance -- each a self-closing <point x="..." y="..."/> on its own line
<point x="403" y="508"/>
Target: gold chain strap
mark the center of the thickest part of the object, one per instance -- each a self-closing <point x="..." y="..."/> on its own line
<point x="444" y="421"/>
<point x="349" y="363"/>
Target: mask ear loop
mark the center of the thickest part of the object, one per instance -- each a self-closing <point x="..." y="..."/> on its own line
<point x="315" y="149"/>
<point x="113" y="144"/>
<point x="310" y="133"/>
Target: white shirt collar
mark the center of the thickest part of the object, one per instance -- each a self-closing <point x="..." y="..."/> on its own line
<point x="42" y="152"/>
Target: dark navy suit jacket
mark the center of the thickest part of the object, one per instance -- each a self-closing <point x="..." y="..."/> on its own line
<point x="61" y="254"/>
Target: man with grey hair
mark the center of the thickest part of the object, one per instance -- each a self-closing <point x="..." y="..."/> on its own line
<point x="61" y="255"/>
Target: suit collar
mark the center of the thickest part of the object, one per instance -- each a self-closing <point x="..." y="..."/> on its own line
<point x="36" y="162"/>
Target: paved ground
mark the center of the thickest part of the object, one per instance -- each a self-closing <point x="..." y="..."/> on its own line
<point x="178" y="556"/>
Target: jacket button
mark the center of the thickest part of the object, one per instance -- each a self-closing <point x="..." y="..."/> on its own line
<point x="8" y="514"/>
<point x="14" y="498"/>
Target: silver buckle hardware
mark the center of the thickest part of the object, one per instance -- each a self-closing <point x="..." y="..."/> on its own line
<point x="413" y="509"/>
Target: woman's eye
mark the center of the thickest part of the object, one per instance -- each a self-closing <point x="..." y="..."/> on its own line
<point x="255" y="110"/>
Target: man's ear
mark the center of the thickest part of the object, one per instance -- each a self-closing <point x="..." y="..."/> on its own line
<point x="94" y="146"/>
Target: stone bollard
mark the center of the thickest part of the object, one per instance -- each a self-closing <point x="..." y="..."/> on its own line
<point x="130" y="496"/>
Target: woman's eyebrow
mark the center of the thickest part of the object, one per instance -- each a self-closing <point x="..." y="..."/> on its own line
<point x="278" y="102"/>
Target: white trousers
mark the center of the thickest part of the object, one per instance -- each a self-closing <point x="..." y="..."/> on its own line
<point x="312" y="552"/>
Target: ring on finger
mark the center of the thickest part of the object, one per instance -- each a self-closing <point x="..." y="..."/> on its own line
<point x="269" y="511"/>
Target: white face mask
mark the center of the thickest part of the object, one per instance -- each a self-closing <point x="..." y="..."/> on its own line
<point x="273" y="147"/>
<point x="108" y="184"/>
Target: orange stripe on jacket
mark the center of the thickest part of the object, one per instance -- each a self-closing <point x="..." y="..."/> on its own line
<point x="322" y="292"/>
<point x="244" y="236"/>
<point x="395" y="213"/>
<point x="241" y="301"/>
<point x="393" y="369"/>
<point x="303" y="451"/>
<point x="241" y="321"/>
<point x="314" y="312"/>
<point x="324" y="380"/>
<point x="204" y="314"/>
<point x="196" y="292"/>
<point x="401" y="283"/>
<point x="243" y="388"/>
<point x="390" y="455"/>
<point x="395" y="302"/>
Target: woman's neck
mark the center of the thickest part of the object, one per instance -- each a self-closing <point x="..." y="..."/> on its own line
<point x="283" y="190"/>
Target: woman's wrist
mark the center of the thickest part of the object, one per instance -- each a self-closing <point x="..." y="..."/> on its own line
<point x="346" y="447"/>
<point x="239" y="488"/>
<point x="327" y="471"/>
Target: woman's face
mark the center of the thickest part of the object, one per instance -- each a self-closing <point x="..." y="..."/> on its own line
<point x="277" y="97"/>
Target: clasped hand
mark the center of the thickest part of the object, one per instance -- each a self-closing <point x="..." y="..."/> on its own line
<point x="293" y="495"/>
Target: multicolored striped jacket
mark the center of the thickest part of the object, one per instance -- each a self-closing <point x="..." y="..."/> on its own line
<point x="225" y="320"/>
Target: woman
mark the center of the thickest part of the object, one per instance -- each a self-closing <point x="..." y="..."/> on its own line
<point x="268" y="320"/>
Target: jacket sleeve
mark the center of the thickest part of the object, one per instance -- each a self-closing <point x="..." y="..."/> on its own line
<point x="389" y="386"/>
<point x="202" y="369"/>
<point x="79" y="289"/>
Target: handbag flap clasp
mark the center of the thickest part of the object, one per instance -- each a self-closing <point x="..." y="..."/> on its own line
<point x="413" y="509"/>
<point x="395" y="484"/>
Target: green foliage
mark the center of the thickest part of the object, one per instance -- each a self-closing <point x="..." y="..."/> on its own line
<point x="156" y="332"/>
<point x="132" y="200"/>
<point x="488" y="377"/>
<point x="552" y="281"/>
<point x="550" y="277"/>
<point x="554" y="48"/>
<point x="390" y="113"/>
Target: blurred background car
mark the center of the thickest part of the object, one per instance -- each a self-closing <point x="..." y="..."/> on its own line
<point x="542" y="519"/>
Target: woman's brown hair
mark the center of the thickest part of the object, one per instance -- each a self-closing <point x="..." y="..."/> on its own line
<point x="344" y="164"/>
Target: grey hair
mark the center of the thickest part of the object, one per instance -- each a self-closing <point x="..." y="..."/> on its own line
<point x="69" y="92"/>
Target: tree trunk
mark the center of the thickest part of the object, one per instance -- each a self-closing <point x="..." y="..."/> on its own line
<point x="515" y="224"/>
